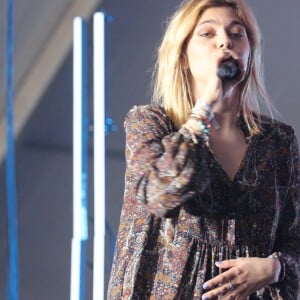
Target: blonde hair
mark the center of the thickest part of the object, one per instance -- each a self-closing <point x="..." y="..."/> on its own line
<point x="171" y="77"/>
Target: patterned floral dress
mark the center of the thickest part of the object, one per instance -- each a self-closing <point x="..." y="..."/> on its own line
<point x="182" y="213"/>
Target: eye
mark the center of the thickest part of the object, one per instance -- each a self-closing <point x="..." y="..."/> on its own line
<point x="237" y="35"/>
<point x="205" y="34"/>
<point x="237" y="32"/>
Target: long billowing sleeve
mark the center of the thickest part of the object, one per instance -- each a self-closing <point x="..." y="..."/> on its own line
<point x="162" y="169"/>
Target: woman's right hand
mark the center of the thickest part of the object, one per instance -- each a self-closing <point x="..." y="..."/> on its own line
<point x="214" y="90"/>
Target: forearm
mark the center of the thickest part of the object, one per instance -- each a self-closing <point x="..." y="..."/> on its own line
<point x="166" y="166"/>
<point x="170" y="179"/>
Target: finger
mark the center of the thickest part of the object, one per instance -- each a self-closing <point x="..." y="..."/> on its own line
<point x="224" y="277"/>
<point x="232" y="295"/>
<point x="237" y="292"/>
<point x="229" y="263"/>
<point x="224" y="289"/>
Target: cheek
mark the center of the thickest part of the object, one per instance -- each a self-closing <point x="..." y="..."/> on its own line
<point x="197" y="60"/>
<point x="195" y="52"/>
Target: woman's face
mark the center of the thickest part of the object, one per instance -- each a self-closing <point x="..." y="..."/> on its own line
<point x="218" y="35"/>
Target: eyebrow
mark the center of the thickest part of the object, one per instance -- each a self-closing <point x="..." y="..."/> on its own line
<point x="212" y="21"/>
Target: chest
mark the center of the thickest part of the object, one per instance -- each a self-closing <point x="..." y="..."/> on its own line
<point x="229" y="151"/>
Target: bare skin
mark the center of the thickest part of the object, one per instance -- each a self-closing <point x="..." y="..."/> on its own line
<point x="218" y="35"/>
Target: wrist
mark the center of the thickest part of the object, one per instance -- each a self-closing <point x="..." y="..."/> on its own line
<point x="204" y="111"/>
<point x="278" y="267"/>
<point x="197" y="127"/>
<point x="208" y="99"/>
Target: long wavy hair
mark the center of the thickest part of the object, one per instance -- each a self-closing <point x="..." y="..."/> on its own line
<point x="172" y="79"/>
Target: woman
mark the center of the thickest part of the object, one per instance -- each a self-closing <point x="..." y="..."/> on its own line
<point x="211" y="204"/>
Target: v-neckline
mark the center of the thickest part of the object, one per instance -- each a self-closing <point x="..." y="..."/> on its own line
<point x="220" y="166"/>
<point x="249" y="144"/>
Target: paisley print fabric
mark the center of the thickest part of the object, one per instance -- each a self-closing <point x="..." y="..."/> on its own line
<point x="182" y="213"/>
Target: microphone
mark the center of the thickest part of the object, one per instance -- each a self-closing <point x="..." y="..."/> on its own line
<point x="228" y="70"/>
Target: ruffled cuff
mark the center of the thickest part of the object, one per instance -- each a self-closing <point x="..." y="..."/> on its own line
<point x="288" y="282"/>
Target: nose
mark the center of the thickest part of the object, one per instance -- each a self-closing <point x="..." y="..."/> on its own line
<point x="224" y="41"/>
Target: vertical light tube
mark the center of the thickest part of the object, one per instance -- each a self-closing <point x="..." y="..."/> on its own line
<point x="79" y="162"/>
<point x="77" y="154"/>
<point x="99" y="155"/>
<point x="12" y="210"/>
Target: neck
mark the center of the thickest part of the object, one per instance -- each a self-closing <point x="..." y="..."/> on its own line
<point x="226" y="113"/>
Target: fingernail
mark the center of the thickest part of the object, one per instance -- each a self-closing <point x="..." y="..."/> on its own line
<point x="218" y="263"/>
<point x="205" y="286"/>
<point x="205" y="298"/>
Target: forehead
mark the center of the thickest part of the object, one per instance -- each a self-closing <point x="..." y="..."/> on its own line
<point x="219" y="15"/>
